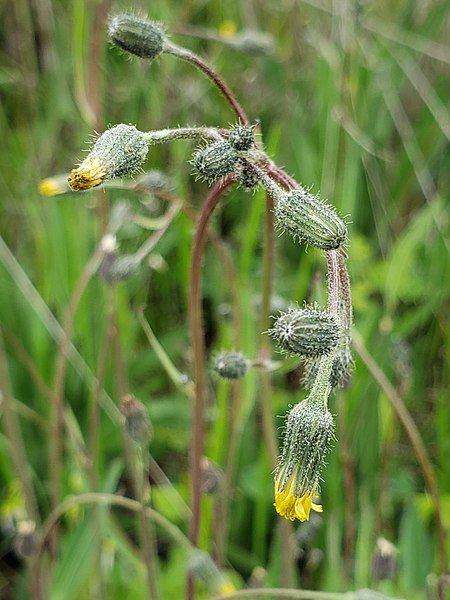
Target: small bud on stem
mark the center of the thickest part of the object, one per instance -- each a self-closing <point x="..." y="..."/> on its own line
<point x="137" y="36"/>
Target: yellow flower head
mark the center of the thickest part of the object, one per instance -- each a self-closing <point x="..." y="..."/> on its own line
<point x="52" y="186"/>
<point x="91" y="173"/>
<point x="309" y="432"/>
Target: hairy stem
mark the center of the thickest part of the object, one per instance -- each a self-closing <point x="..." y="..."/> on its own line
<point x="162" y="136"/>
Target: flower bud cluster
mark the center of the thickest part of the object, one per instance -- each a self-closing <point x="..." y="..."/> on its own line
<point x="215" y="161"/>
<point x="223" y="157"/>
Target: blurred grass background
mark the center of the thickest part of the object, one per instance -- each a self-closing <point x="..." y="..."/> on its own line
<point x="353" y="99"/>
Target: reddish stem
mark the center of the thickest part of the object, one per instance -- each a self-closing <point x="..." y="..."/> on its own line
<point x="209" y="72"/>
<point x="198" y="351"/>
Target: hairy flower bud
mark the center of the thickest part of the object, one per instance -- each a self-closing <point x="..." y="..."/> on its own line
<point x="306" y="332"/>
<point x="310" y="219"/>
<point x="307" y="439"/>
<point x="231" y="365"/>
<point x="137" y="423"/>
<point x="215" y="160"/>
<point x="241" y="137"/>
<point x="118" y="152"/>
<point x="138" y="36"/>
<point x="115" y="269"/>
<point x="26" y="540"/>
<point x="384" y="560"/>
<point x="247" y="177"/>
<point x="211" y="476"/>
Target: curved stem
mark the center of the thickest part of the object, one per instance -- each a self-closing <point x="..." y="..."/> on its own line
<point x="198" y="351"/>
<point x="280" y="176"/>
<point x="209" y="72"/>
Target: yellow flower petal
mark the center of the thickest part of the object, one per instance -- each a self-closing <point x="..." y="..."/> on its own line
<point x="52" y="186"/>
<point x="89" y="174"/>
<point x="292" y="507"/>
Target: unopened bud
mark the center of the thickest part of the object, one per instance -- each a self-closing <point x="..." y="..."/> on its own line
<point x="118" y="152"/>
<point x="108" y="243"/>
<point x="384" y="562"/>
<point x="247" y="177"/>
<point x="26" y="539"/>
<point x="306" y="332"/>
<point x="231" y="365"/>
<point x="138" y="36"/>
<point x="310" y="219"/>
<point x="115" y="269"/>
<point x="215" y="160"/>
<point x="241" y="137"/>
<point x="212" y="476"/>
<point x="137" y="423"/>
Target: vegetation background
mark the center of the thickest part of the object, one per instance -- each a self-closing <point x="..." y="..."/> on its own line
<point x="353" y="99"/>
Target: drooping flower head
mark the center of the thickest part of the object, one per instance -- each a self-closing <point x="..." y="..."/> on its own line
<point x="118" y="152"/>
<point x="307" y="441"/>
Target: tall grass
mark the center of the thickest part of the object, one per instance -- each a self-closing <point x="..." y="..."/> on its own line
<point x="354" y="100"/>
